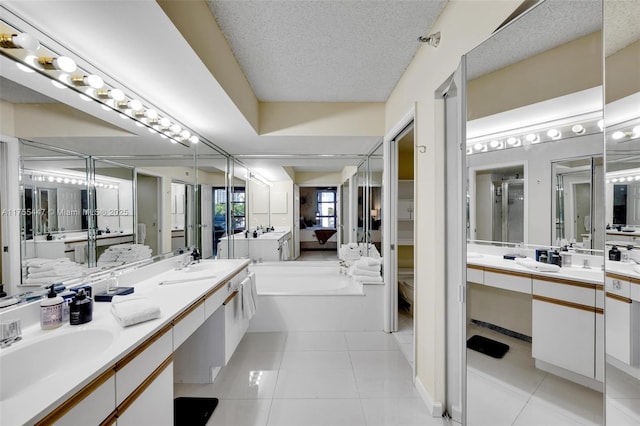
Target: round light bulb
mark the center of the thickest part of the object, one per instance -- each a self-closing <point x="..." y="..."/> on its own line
<point x="601" y="124"/>
<point x="194" y="139"/>
<point x="477" y="146"/>
<point x="494" y="144"/>
<point x="554" y="133"/>
<point x="66" y="64"/>
<point x="94" y="81"/>
<point x="116" y="94"/>
<point x="164" y="122"/>
<point x="614" y="180"/>
<point x="151" y="114"/>
<point x="512" y="141"/>
<point x="617" y="135"/>
<point x="532" y="137"/>
<point x="630" y="178"/>
<point x="135" y="104"/>
<point x="175" y="128"/>
<point x="636" y="132"/>
<point x="578" y="129"/>
<point x="26" y="41"/>
<point x="185" y="134"/>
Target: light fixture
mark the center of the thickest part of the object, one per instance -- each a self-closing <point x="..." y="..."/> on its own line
<point x="513" y="141"/>
<point x="578" y="129"/>
<point x="19" y="41"/>
<point x="175" y="128"/>
<point x="431" y="39"/>
<point x="194" y="139"/>
<point x="132" y="104"/>
<point x="164" y="122"/>
<point x="635" y="132"/>
<point x="185" y="134"/>
<point x="554" y="134"/>
<point x="93" y="80"/>
<point x="494" y="143"/>
<point x="601" y="124"/>
<point x="63" y="63"/>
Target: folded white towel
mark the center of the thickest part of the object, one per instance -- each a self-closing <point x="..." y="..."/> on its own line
<point x="56" y="273"/>
<point x="40" y="262"/>
<point x="367" y="278"/>
<point x="537" y="266"/>
<point x="130" y="310"/>
<point x="355" y="270"/>
<point x="368" y="262"/>
<point x="363" y="267"/>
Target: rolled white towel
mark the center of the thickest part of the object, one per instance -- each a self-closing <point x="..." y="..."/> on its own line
<point x="56" y="273"/>
<point x="130" y="310"/>
<point x="537" y="266"/>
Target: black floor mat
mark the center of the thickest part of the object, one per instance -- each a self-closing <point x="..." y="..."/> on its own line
<point x="193" y="411"/>
<point x="487" y="346"/>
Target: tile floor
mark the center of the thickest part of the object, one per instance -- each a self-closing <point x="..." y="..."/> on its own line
<point x="404" y="335"/>
<point x="315" y="378"/>
<point x="511" y="391"/>
<point x="318" y="255"/>
<point x="623" y="398"/>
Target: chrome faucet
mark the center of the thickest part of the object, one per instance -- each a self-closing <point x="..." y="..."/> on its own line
<point x="10" y="332"/>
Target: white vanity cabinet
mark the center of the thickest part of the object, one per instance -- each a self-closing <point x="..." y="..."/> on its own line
<point x="623" y="317"/>
<point x="153" y="406"/>
<point x="564" y="324"/>
<point x="92" y="406"/>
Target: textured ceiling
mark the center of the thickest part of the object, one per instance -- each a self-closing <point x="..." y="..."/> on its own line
<point x="623" y="27"/>
<point x="324" y="50"/>
<point x="550" y="24"/>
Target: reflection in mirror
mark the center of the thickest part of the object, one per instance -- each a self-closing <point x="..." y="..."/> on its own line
<point x="622" y="136"/>
<point x="534" y="324"/>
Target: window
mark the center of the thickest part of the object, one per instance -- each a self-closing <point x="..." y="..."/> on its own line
<point x="238" y="215"/>
<point x="237" y="209"/>
<point x="326" y="210"/>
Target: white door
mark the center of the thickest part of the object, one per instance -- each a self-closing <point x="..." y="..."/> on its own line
<point x="148" y="196"/>
<point x="206" y="220"/>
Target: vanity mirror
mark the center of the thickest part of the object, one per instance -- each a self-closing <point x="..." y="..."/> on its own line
<point x="622" y="284"/>
<point x="534" y="330"/>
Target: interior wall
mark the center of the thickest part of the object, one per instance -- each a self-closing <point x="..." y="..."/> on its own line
<point x="504" y="308"/>
<point x="463" y="25"/>
<point x="7" y="118"/>
<point x="621" y="72"/>
<point x="318" y="178"/>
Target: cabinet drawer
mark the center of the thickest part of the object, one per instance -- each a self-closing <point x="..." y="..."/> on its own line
<point x="617" y="284"/>
<point x="154" y="406"/>
<point x="513" y="281"/>
<point x="566" y="290"/>
<point x="217" y="298"/>
<point x="136" y="367"/>
<point x="475" y="275"/>
<point x="188" y="322"/>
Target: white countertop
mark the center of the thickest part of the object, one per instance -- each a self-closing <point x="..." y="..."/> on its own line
<point x="629" y="269"/>
<point x="51" y="390"/>
<point x="594" y="275"/>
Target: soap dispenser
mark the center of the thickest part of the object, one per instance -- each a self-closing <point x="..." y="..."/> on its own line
<point x="51" y="310"/>
<point x="81" y="309"/>
<point x="615" y="254"/>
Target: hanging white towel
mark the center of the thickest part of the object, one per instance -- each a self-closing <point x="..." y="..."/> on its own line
<point x="285" y="250"/>
<point x="248" y="290"/>
<point x="142" y="233"/>
<point x="130" y="310"/>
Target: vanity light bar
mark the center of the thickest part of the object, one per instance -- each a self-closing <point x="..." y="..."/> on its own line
<point x="532" y="136"/>
<point x="31" y="56"/>
<point x="68" y="179"/>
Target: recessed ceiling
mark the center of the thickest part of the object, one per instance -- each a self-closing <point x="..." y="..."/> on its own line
<point x="324" y="51"/>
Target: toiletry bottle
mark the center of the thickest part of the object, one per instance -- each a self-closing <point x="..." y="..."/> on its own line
<point x="51" y="310"/>
<point x="614" y="254"/>
<point x="543" y="257"/>
<point x="255" y="234"/>
<point x="554" y="258"/>
<point x="81" y="309"/>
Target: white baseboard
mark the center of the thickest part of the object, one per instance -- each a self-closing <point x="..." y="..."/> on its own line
<point x="434" y="407"/>
<point x="570" y="375"/>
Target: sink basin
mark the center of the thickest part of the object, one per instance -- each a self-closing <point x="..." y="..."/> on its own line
<point x="25" y="363"/>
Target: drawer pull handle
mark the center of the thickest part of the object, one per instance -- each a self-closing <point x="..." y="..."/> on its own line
<point x="231" y="296"/>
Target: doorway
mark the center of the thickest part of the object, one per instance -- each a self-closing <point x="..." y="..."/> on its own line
<point x="318" y="222"/>
<point x="148" y="201"/>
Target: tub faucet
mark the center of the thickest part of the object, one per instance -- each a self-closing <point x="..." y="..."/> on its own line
<point x="10" y="332"/>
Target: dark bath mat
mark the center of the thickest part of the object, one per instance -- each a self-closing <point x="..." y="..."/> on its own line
<point x="487" y="346"/>
<point x="193" y="411"/>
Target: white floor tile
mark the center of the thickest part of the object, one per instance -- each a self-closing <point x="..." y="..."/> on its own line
<point x="620" y="384"/>
<point x="316" y="341"/>
<point x="242" y="361"/>
<point x="376" y="363"/>
<point x="254" y="384"/>
<point x="262" y="342"/>
<point x="578" y="402"/>
<point x="371" y="341"/>
<point x="308" y="360"/>
<point x="537" y="414"/>
<point x="385" y="387"/>
<point x="318" y="383"/>
<point x="398" y="412"/>
<point x="491" y="404"/>
<point x="316" y="412"/>
<point x="623" y="412"/>
<point x="241" y="412"/>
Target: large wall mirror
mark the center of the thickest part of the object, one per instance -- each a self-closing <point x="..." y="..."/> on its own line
<point x="622" y="135"/>
<point x="534" y="308"/>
